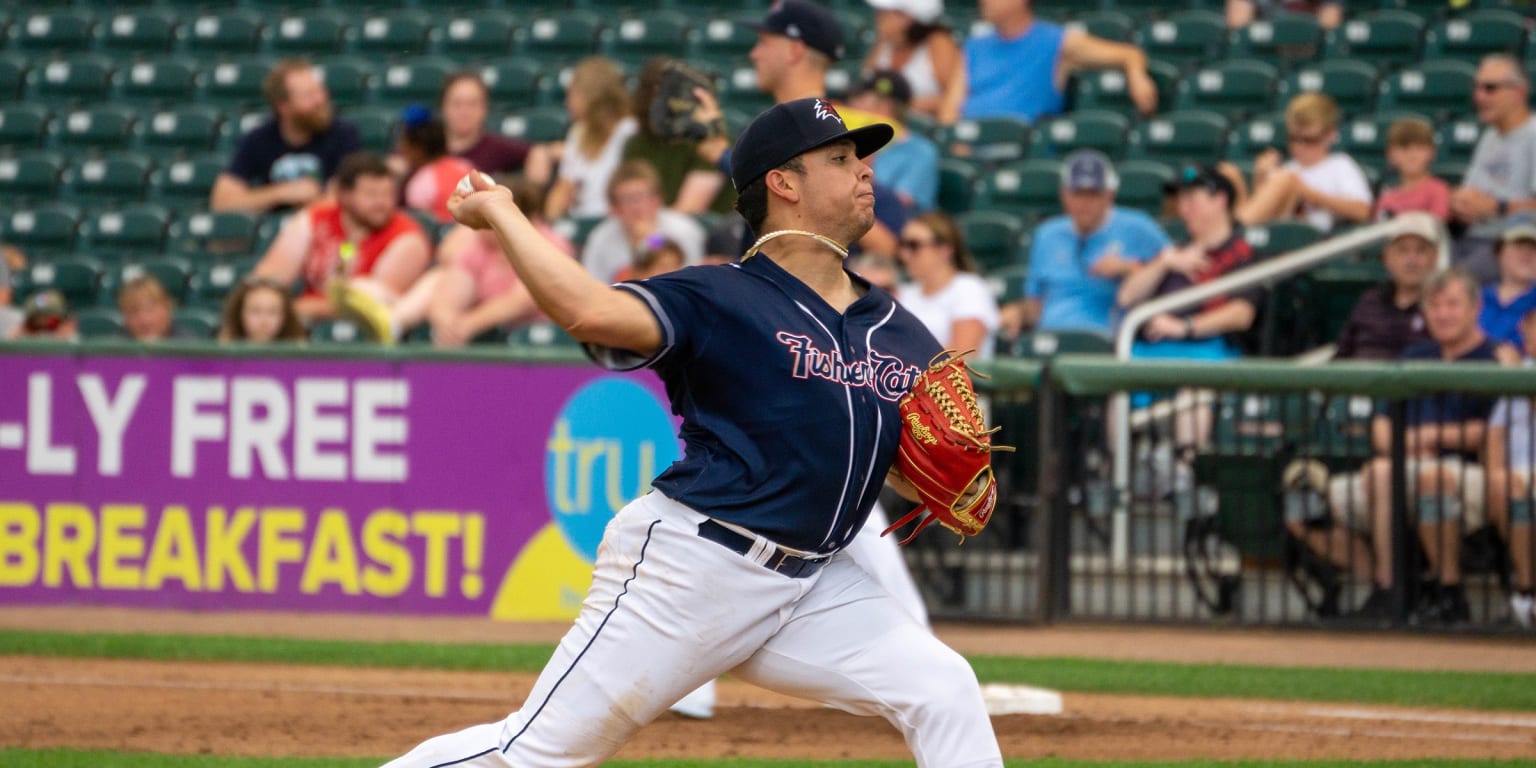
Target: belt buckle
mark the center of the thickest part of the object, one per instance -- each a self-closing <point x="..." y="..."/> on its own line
<point x="782" y="557"/>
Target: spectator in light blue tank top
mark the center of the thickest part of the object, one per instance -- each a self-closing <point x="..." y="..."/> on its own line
<point x="1021" y="68"/>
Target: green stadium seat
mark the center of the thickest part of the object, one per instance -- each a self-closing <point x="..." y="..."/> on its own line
<point x="560" y="35"/>
<point x="236" y="84"/>
<point x="1185" y="37"/>
<point x="1007" y="283"/>
<point x="184" y="185"/>
<point x="336" y="332"/>
<point x="1142" y="185"/>
<point x="842" y="78"/>
<point x="376" y="126"/>
<point x="64" y="30"/>
<point x="312" y="33"/>
<point x="738" y="90"/>
<point x="225" y="33"/>
<point x="1279" y="237"/>
<point x="957" y="185"/>
<point x="658" y="33"/>
<point x="1029" y="189"/>
<point x="135" y="232"/>
<point x="1284" y="40"/>
<point x="214" y="233"/>
<point x="1231" y="87"/>
<point x="513" y="82"/>
<point x="99" y="323"/>
<point x="1109" y="25"/>
<point x="1041" y="345"/>
<point x="143" y="30"/>
<point x="1083" y="129"/>
<point x="102" y="128"/>
<point x="542" y="334"/>
<point x="397" y="33"/>
<point x="725" y="40"/>
<point x="210" y="283"/>
<point x="1188" y="136"/>
<point x="1105" y="88"/>
<point x="181" y="131"/>
<point x="116" y="178"/>
<point x="1471" y="36"/>
<point x="413" y="81"/>
<point x="31" y="177"/>
<point x="539" y="124"/>
<point x="991" y="139"/>
<point x="196" y="322"/>
<point x="1456" y="139"/>
<point x="485" y="34"/>
<point x="1257" y="134"/>
<point x="172" y="273"/>
<point x="349" y="79"/>
<point x="993" y="238"/>
<point x="77" y="277"/>
<point x="23" y="125"/>
<point x="1389" y="38"/>
<point x="87" y="77"/>
<point x="1350" y="82"/>
<point x="13" y="75"/>
<point x="165" y="82"/>
<point x="1449" y="171"/>
<point x="1439" y="88"/>
<point x="1365" y="137"/>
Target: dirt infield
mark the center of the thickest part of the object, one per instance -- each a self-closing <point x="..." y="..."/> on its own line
<point x="275" y="710"/>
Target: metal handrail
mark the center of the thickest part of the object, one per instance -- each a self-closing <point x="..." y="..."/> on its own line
<point x="1270" y="269"/>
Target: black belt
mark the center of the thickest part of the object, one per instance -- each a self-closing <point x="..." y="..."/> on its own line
<point x="793" y="566"/>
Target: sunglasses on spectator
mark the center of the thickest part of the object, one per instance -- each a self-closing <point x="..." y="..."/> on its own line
<point x="1492" y="86"/>
<point x="906" y="244"/>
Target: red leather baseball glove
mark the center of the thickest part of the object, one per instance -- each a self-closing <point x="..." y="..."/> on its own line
<point x="946" y="451"/>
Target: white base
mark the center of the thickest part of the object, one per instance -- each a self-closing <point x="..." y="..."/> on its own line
<point x="1020" y="700"/>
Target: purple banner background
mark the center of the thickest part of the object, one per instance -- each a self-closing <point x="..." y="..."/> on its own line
<point x="475" y="446"/>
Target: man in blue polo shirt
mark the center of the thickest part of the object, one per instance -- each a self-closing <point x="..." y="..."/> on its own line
<point x="1078" y="258"/>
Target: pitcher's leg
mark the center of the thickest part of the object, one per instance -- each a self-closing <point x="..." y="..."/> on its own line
<point x="881" y="559"/>
<point x="477" y="746"/>
<point x="849" y="645"/>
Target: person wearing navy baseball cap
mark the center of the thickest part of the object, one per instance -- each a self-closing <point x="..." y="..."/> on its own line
<point x="797" y="42"/>
<point x="786" y="373"/>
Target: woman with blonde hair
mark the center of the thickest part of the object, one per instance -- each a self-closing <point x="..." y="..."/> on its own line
<point x="598" y="104"/>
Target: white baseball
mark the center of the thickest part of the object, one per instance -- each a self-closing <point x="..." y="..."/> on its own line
<point x="466" y="186"/>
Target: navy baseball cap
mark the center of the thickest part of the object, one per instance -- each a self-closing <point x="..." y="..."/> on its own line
<point x="807" y="22"/>
<point x="1088" y="170"/>
<point x="1204" y="177"/>
<point x="887" y="83"/>
<point x="791" y="129"/>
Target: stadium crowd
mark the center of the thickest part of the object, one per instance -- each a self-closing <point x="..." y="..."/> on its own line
<point x="1054" y="166"/>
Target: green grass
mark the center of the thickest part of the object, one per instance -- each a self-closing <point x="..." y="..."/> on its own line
<point x="1480" y="690"/>
<point x="58" y="758"/>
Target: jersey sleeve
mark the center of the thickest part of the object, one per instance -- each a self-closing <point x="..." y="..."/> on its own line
<point x="679" y="302"/>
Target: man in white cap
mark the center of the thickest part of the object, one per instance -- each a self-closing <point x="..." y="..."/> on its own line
<point x="1386" y="319"/>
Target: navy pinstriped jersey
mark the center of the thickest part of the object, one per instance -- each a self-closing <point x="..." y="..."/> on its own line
<point x="788" y="407"/>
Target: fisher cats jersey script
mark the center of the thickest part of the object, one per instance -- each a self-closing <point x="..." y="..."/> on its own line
<point x="775" y="389"/>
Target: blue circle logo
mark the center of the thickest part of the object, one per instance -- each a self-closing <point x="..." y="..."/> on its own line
<point x="610" y="440"/>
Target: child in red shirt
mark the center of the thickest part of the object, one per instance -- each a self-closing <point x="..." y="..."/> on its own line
<point x="1410" y="150"/>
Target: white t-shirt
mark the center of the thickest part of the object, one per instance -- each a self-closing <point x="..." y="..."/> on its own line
<point x="967" y="297"/>
<point x="590" y="174"/>
<point x="1338" y="175"/>
<point x="607" y="249"/>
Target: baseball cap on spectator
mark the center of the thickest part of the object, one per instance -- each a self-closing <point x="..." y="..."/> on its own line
<point x="45" y="311"/>
<point x="1203" y="177"/>
<point x="791" y="129"/>
<point x="1518" y="232"/>
<point x="887" y="83"/>
<point x="1425" y="227"/>
<point x="807" y="22"/>
<point x="1088" y="170"/>
<point x="921" y="11"/>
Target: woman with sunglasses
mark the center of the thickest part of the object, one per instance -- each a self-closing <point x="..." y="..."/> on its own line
<point x="945" y="293"/>
<point x="1318" y="186"/>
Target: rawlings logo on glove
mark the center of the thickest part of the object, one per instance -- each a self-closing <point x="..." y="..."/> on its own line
<point x="946" y="451"/>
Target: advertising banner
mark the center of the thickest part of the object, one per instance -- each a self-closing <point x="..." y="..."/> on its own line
<point x="383" y="484"/>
